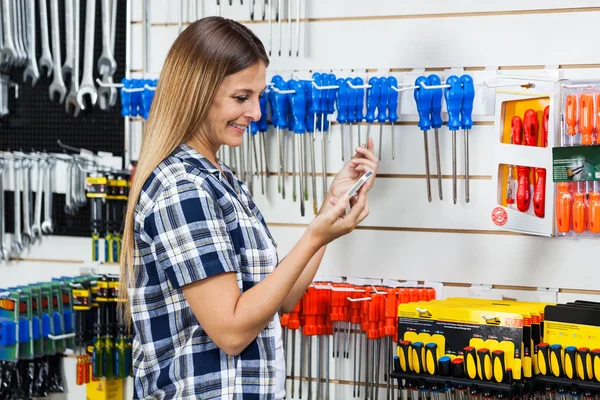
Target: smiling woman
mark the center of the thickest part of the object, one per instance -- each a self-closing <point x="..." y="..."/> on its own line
<point x="200" y="276"/>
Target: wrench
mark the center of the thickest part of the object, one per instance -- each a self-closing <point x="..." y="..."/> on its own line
<point x="32" y="70"/>
<point x="17" y="244"/>
<point x="107" y="95"/>
<point x="9" y="51"/>
<point x="47" y="226"/>
<point x="67" y="68"/>
<point x="71" y="103"/>
<point x="17" y="35"/>
<point x="3" y="248"/>
<point x="87" y="83"/>
<point x="26" y="236"/>
<point x="36" y="228"/>
<point x="58" y="85"/>
<point x="46" y="57"/>
<point x="106" y="62"/>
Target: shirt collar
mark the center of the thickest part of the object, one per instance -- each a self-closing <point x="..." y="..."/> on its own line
<point x="188" y="153"/>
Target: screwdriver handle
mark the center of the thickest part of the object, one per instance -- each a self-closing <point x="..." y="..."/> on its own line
<point x="315" y="94"/>
<point x="418" y="353"/>
<point x="523" y="191"/>
<point x="360" y="100"/>
<point x="372" y="99"/>
<point x="556" y="357"/>
<point x="423" y="100"/>
<point x="466" y="110"/>
<point x="586" y="119"/>
<point x="405" y="354"/>
<point x="431" y="360"/>
<point x="564" y="202"/>
<point x="436" y="101"/>
<point x="498" y="366"/>
<point x="444" y="366"/>
<point x="281" y="102"/>
<point x="539" y="194"/>
<point x="352" y="101"/>
<point x="393" y="102"/>
<point x="571" y="114"/>
<point x="298" y="102"/>
<point x="543" y="357"/>
<point x="470" y="357"/>
<point x="516" y="130"/>
<point x="595" y="212"/>
<point x="330" y="106"/>
<point x="384" y="98"/>
<point x="570" y="363"/>
<point x="584" y="364"/>
<point x="545" y="125"/>
<point x="579" y="212"/>
<point x="453" y="96"/>
<point x="458" y="368"/>
<point x="531" y="127"/>
<point x="263" y="125"/>
<point x="596" y="364"/>
<point x="342" y="101"/>
<point x="484" y="364"/>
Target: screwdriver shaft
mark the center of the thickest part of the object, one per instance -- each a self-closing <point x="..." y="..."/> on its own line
<point x="249" y="174"/>
<point x="359" y="135"/>
<point x="373" y="358"/>
<point x="437" y="161"/>
<point x="351" y="143"/>
<point x="293" y="361"/>
<point x="380" y="139"/>
<point x="394" y="142"/>
<point x="454" y="166"/>
<point x="289" y="10"/>
<point x="266" y="153"/>
<point x="279" y="15"/>
<point x="327" y="369"/>
<point x="280" y="162"/>
<point x="309" y="358"/>
<point x="313" y="168"/>
<point x="428" y="176"/>
<point x="318" y="367"/>
<point x="301" y="364"/>
<point x="270" y="6"/>
<point x="367" y="363"/>
<point x="324" y="155"/>
<point x="305" y="165"/>
<point x="295" y="176"/>
<point x="347" y="352"/>
<point x="342" y="139"/>
<point x="467" y="195"/>
<point x="242" y="170"/>
<point x="301" y="144"/>
<point x="298" y="28"/>
<point x="360" y="336"/>
<point x="261" y="144"/>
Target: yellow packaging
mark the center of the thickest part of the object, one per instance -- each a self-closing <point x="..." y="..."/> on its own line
<point x="105" y="389"/>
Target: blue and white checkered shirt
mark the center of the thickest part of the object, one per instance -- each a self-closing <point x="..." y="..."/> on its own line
<point x="193" y="222"/>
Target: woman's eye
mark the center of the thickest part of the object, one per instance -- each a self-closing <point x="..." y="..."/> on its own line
<point x="241" y="98"/>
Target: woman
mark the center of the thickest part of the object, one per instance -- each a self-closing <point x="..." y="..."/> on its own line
<point x="199" y="262"/>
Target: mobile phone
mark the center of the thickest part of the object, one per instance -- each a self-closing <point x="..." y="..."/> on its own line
<point x="363" y="179"/>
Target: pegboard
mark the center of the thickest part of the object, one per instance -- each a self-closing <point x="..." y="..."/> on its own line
<point x="36" y="123"/>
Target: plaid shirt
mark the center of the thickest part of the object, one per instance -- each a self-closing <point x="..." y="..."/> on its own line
<point x="193" y="222"/>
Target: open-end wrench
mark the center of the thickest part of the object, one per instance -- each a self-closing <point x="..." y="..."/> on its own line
<point x="9" y="51"/>
<point x="71" y="103"/>
<point x="3" y="243"/>
<point x="107" y="95"/>
<point x="67" y="68"/>
<point x="36" y="228"/>
<point x="58" y="85"/>
<point x="106" y="63"/>
<point x="87" y="83"/>
<point x="47" y="226"/>
<point x="45" y="60"/>
<point x="24" y="30"/>
<point x="26" y="235"/>
<point x="31" y="71"/>
<point x="17" y="32"/>
<point x="17" y="244"/>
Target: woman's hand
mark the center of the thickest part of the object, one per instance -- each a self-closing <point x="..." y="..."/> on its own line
<point x="363" y="160"/>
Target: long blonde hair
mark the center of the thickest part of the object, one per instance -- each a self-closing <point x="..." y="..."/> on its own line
<point x="200" y="58"/>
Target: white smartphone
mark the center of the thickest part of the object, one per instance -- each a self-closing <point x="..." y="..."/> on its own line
<point x="363" y="179"/>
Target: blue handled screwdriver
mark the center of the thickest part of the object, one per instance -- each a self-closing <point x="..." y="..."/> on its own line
<point x="436" y="123"/>
<point x="360" y="103"/>
<point x="382" y="106"/>
<point x="466" y="122"/>
<point x="278" y="108"/>
<point x="329" y="109"/>
<point x="298" y="102"/>
<point x="453" y="96"/>
<point x="315" y="109"/>
<point x="309" y="129"/>
<point x="263" y="127"/>
<point x="392" y="111"/>
<point x="342" y="108"/>
<point x="423" y="99"/>
<point x="372" y="101"/>
<point x="351" y="118"/>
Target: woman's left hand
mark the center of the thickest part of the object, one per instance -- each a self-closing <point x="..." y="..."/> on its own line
<point x="363" y="160"/>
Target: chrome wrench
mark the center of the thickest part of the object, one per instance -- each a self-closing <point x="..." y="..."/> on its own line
<point x="17" y="244"/>
<point x="9" y="51"/>
<point x="47" y="225"/>
<point x="26" y="235"/>
<point x="106" y="63"/>
<point x="58" y="85"/>
<point x="18" y="32"/>
<point x="71" y="103"/>
<point x="3" y="249"/>
<point x="46" y="57"/>
<point x="31" y="71"/>
<point x="87" y="83"/>
<point x="36" y="228"/>
<point x="107" y="95"/>
<point x="67" y="68"/>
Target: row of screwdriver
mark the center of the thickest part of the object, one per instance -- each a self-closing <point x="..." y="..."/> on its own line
<point x="525" y="132"/>
<point x="347" y="313"/>
<point x="578" y="207"/>
<point x="581" y="121"/>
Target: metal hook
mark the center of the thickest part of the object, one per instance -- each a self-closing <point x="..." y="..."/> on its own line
<point x="424" y="86"/>
<point x="331" y="87"/>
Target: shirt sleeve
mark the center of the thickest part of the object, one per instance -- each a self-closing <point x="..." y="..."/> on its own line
<point x="190" y="238"/>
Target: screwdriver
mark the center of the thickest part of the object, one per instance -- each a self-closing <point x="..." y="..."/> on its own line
<point x="279" y="120"/>
<point x="316" y="108"/>
<point x="358" y="109"/>
<point x="342" y="108"/>
<point x="580" y="212"/>
<point x="556" y="357"/>
<point x="571" y="116"/>
<point x="570" y="364"/>
<point x="539" y="194"/>
<point x="431" y="359"/>
<point x="423" y="100"/>
<point x="584" y="364"/>
<point x="470" y="363"/>
<point x="466" y="122"/>
<point x="279" y="15"/>
<point x="594" y="210"/>
<point x="298" y="105"/>
<point x="393" y="115"/>
<point x="329" y="108"/>
<point x="351" y="115"/>
<point x="263" y="127"/>
<point x="453" y="96"/>
<point x="530" y="128"/>
<point x="484" y="364"/>
<point x="563" y="207"/>
<point x="382" y="107"/>
<point x="498" y="365"/>
<point x="436" y="123"/>
<point x="373" y="94"/>
<point x="545" y="122"/>
<point x="596" y="364"/>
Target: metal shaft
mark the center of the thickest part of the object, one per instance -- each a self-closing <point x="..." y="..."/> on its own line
<point x="467" y="196"/>
<point x="313" y="168"/>
<point x="380" y="139"/>
<point x="367" y="363"/>
<point x="309" y="359"/>
<point x="327" y="368"/>
<point x="301" y="143"/>
<point x="324" y="156"/>
<point x="261" y="142"/>
<point x="351" y="142"/>
<point x="359" y="135"/>
<point x="279" y="15"/>
<point x="270" y="7"/>
<point x="377" y="360"/>
<point x="293" y="361"/>
<point x="454" y="166"/>
<point x="347" y="352"/>
<point x="427" y="166"/>
<point x="280" y="162"/>
<point x="305" y="164"/>
<point x="294" y="175"/>
<point x="301" y="364"/>
<point x="289" y="10"/>
<point x="298" y="28"/>
<point x="342" y="139"/>
<point x="356" y="356"/>
<point x="319" y="367"/>
<point x="437" y="161"/>
<point x="394" y="142"/>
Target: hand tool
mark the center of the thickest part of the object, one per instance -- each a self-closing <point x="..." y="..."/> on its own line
<point x="31" y="71"/>
<point x="87" y="83"/>
<point x="9" y="51"/>
<point x="17" y="243"/>
<point x="584" y="367"/>
<point x="279" y="16"/>
<point x="530" y="128"/>
<point x="423" y="99"/>
<point x="470" y="364"/>
<point x="107" y="94"/>
<point x="516" y="129"/>
<point x="316" y="107"/>
<point x="384" y="98"/>
<point x="270" y="8"/>
<point x="298" y="28"/>
<point x="453" y="96"/>
<point x="594" y="210"/>
<point x="298" y="105"/>
<point x="294" y="325"/>
<point x="571" y="117"/>
<point x="545" y="122"/>
<point x="342" y="108"/>
<point x="26" y="235"/>
<point x="436" y="123"/>
<point x="47" y="225"/>
<point x="564" y="202"/>
<point x="498" y="366"/>
<point x="596" y="364"/>
<point x="484" y="364"/>
<point x="4" y="251"/>
<point x="57" y="86"/>
<point x="555" y="361"/>
<point x="329" y="108"/>
<point x="373" y="94"/>
<point x="569" y="363"/>
<point x="539" y="194"/>
<point x="71" y="103"/>
<point x="18" y="32"/>
<point x="67" y="68"/>
<point x="289" y="10"/>
<point x="358" y="114"/>
<point x="431" y="358"/>
<point x="467" y="122"/>
<point x="281" y="102"/>
<point x="523" y="190"/>
<point x="351" y="115"/>
<point x="580" y="211"/>
<point x="393" y="115"/>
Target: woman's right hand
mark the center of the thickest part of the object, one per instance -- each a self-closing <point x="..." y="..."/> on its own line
<point x="334" y="222"/>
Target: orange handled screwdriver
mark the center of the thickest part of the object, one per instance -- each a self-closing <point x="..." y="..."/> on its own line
<point x="539" y="194"/>
<point x="595" y="212"/>
<point x="531" y="127"/>
<point x="563" y="207"/>
<point x="523" y="191"/>
<point x="579" y="212"/>
<point x="545" y="122"/>
<point x="516" y="130"/>
<point x="586" y="119"/>
<point x="571" y="116"/>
